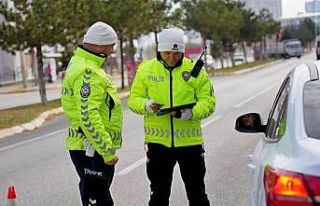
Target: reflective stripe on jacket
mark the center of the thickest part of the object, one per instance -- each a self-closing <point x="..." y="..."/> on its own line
<point x="91" y="103"/>
<point x="172" y="88"/>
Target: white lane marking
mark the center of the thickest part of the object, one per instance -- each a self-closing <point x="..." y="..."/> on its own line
<point x="32" y="140"/>
<point x="138" y="163"/>
<point x="132" y="166"/>
<point x="255" y="96"/>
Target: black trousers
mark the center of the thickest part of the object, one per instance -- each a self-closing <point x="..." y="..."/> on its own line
<point x="160" y="164"/>
<point x="95" y="178"/>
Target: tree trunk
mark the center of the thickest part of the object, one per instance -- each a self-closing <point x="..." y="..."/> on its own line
<point x="244" y="52"/>
<point x="264" y="49"/>
<point x="121" y="63"/>
<point x="231" y="55"/>
<point x="221" y="60"/>
<point x="42" y="86"/>
<point x="23" y="70"/>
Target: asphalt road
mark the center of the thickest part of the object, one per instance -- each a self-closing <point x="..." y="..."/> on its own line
<point x="38" y="165"/>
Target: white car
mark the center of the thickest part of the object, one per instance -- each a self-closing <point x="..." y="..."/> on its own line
<point x="238" y="57"/>
<point x="286" y="162"/>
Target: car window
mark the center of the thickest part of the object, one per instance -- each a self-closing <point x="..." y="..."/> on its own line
<point x="293" y="46"/>
<point x="311" y="108"/>
<point x="278" y="115"/>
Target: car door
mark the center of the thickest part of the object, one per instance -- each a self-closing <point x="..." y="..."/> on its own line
<point x="264" y="151"/>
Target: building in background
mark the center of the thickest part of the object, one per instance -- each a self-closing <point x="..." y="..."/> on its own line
<point x="274" y="6"/>
<point x="312" y="6"/>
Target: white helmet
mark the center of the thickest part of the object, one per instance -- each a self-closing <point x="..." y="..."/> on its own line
<point x="100" y="34"/>
<point x="171" y="40"/>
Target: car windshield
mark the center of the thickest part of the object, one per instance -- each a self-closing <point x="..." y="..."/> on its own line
<point x="311" y="105"/>
<point x="293" y="46"/>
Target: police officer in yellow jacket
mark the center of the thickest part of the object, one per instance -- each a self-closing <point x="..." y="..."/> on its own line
<point x="173" y="137"/>
<point x="91" y="103"/>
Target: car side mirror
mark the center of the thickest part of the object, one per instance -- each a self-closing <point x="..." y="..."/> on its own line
<point x="250" y="123"/>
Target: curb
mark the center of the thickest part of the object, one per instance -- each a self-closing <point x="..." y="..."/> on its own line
<point x="39" y="121"/>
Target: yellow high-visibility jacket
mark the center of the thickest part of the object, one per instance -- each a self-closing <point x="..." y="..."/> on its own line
<point x="91" y="103"/>
<point x="153" y="81"/>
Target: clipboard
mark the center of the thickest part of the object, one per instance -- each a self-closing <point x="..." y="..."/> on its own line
<point x="176" y="108"/>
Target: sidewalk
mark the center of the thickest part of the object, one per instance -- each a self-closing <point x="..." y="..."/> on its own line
<point x="18" y="87"/>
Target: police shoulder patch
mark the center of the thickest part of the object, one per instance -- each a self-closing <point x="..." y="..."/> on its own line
<point x="85" y="90"/>
<point x="186" y="75"/>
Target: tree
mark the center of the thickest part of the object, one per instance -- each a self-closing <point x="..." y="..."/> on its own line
<point x="234" y="11"/>
<point x="306" y="31"/>
<point x="287" y="33"/>
<point x="134" y="18"/>
<point x="29" y="25"/>
<point x="33" y="24"/>
<point x="267" y="26"/>
<point x="249" y="32"/>
<point x="210" y="19"/>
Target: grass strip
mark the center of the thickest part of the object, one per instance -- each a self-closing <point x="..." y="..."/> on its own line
<point x="23" y="114"/>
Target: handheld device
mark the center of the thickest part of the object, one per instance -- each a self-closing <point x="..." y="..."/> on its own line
<point x="176" y="108"/>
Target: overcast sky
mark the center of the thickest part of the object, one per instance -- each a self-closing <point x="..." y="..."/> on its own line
<point x="292" y="7"/>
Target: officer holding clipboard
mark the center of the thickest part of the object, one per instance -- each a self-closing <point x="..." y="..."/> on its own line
<point x="173" y="94"/>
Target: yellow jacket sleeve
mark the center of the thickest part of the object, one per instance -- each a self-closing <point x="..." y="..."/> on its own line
<point x="205" y="98"/>
<point x="92" y="94"/>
